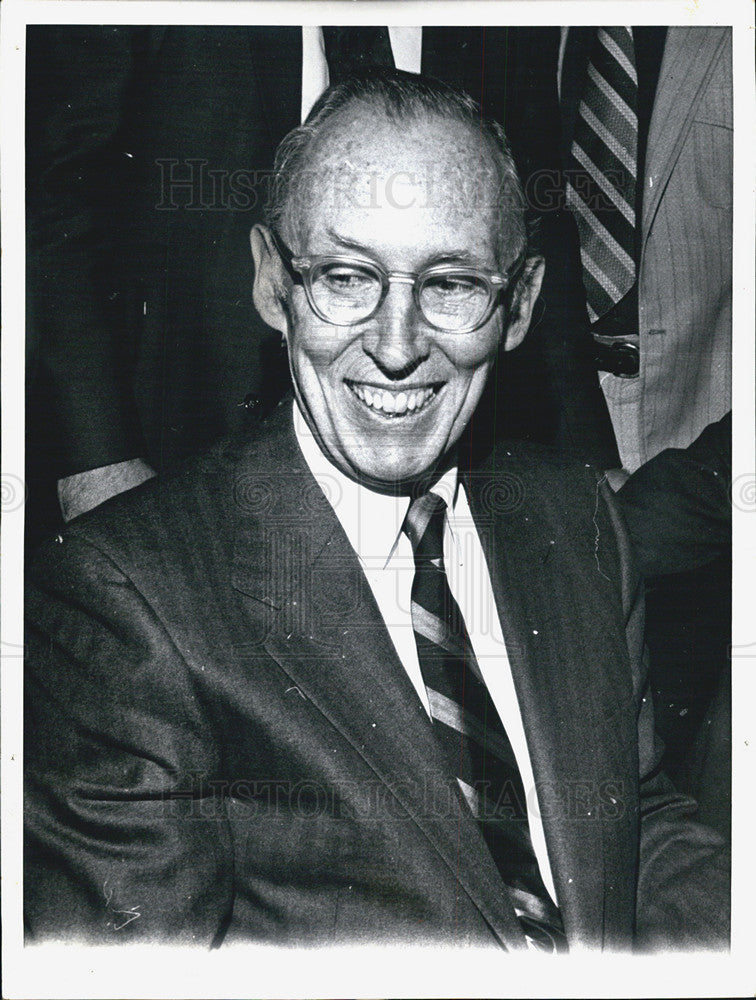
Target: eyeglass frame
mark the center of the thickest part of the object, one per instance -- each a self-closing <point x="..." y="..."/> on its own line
<point x="300" y="269"/>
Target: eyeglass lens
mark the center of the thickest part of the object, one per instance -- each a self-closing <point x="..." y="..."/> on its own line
<point x="349" y="293"/>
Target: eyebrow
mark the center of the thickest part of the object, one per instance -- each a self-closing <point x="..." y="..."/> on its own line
<point x="449" y="257"/>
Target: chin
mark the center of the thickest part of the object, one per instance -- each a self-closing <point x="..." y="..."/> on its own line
<point x="391" y="475"/>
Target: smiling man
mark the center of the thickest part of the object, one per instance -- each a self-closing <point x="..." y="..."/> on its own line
<point x="401" y="253"/>
<point x="341" y="681"/>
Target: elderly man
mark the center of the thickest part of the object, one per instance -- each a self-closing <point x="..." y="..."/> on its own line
<point x="349" y="680"/>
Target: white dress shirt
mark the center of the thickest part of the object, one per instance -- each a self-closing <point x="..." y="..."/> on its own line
<point x="373" y="524"/>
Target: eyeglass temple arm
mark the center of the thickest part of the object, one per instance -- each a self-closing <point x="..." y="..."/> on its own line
<point x="284" y="253"/>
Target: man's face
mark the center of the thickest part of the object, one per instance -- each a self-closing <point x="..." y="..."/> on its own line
<point x="388" y="398"/>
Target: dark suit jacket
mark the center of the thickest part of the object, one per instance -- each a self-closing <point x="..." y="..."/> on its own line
<point x="222" y="744"/>
<point x="678" y="506"/>
<point x="678" y="511"/>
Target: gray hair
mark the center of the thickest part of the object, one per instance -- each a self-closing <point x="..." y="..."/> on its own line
<point x="401" y="95"/>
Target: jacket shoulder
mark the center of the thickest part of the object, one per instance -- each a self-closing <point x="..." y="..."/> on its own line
<point x="159" y="515"/>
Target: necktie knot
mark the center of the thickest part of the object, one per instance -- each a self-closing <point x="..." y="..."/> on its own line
<point x="424" y="526"/>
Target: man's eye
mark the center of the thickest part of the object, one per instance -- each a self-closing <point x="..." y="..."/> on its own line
<point x="347" y="279"/>
<point x="455" y="286"/>
<point x="451" y="286"/>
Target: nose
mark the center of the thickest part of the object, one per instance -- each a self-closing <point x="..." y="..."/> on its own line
<point x="396" y="337"/>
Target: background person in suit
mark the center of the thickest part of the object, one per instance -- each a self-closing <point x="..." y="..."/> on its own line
<point x="669" y="416"/>
<point x="237" y="729"/>
<point x="663" y="348"/>
<point x="675" y="316"/>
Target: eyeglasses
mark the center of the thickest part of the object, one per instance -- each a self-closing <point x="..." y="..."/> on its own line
<point x="346" y="290"/>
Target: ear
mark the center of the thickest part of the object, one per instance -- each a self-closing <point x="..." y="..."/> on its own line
<point x="523" y="301"/>
<point x="269" y="289"/>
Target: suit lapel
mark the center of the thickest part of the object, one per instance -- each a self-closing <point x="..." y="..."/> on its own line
<point x="689" y="57"/>
<point x="321" y="624"/>
<point x="554" y="647"/>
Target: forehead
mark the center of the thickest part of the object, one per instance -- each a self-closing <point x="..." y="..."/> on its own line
<point x="398" y="179"/>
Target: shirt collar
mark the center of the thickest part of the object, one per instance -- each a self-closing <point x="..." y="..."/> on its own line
<point x="371" y="521"/>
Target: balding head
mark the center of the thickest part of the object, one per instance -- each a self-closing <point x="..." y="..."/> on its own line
<point x="485" y="176"/>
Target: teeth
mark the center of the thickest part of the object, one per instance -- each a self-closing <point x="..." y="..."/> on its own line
<point x="395" y="404"/>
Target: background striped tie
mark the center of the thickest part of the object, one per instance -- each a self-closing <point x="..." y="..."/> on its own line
<point x="470" y="730"/>
<point x="601" y="183"/>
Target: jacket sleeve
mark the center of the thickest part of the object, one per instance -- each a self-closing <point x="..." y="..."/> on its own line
<point x="683" y="889"/>
<point x="122" y="843"/>
<point x="678" y="507"/>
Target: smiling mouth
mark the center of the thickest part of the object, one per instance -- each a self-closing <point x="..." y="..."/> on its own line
<point x="406" y="402"/>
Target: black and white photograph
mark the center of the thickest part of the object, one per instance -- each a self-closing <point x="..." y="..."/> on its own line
<point x="372" y="465"/>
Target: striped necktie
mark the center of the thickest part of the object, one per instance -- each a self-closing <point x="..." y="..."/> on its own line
<point x="470" y="731"/>
<point x="601" y="183"/>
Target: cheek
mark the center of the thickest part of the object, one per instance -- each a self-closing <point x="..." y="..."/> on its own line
<point x="474" y="352"/>
<point x="310" y="355"/>
<point x="315" y="344"/>
<point x="466" y="393"/>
